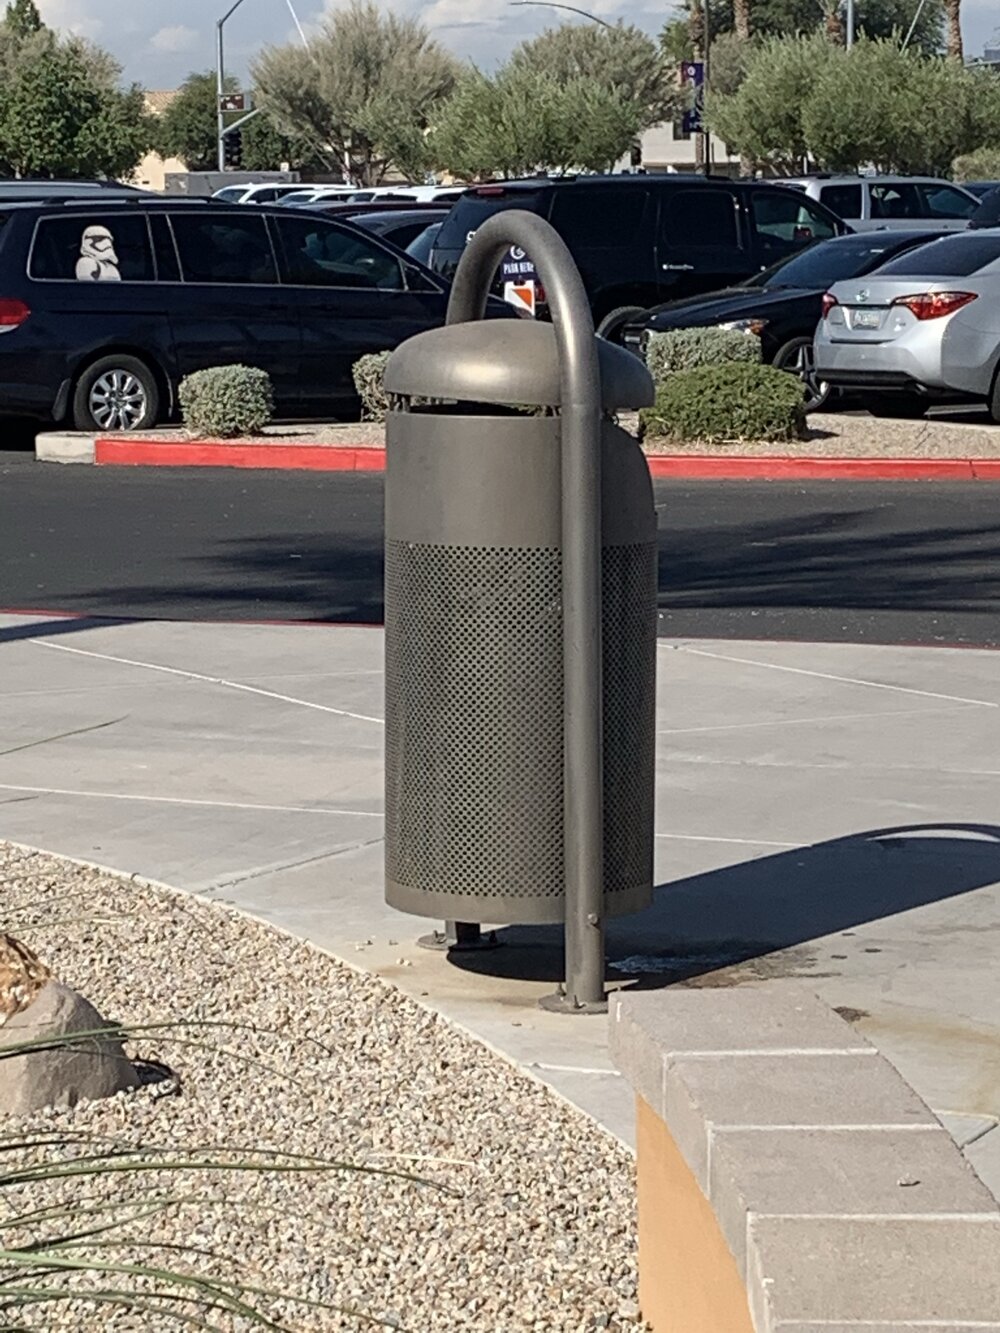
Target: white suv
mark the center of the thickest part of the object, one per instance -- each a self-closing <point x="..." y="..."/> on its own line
<point x="871" y="203"/>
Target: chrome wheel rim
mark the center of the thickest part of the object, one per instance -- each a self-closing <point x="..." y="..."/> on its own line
<point x="118" y="400"/>
<point x="803" y="364"/>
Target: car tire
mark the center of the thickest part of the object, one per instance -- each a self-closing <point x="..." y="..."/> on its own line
<point x="993" y="402"/>
<point x="797" y="358"/>
<point x="116" y="393"/>
<point x="902" y="406"/>
<point x="612" y="326"/>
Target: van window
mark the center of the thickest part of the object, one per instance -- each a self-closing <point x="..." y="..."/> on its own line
<point x="92" y="248"/>
<point x="321" y="254"/>
<point x="164" y="251"/>
<point x="591" y="218"/>
<point x="844" y="200"/>
<point x="944" y="201"/>
<point x="227" y="248"/>
<point x="893" y="200"/>
<point x="703" y="218"/>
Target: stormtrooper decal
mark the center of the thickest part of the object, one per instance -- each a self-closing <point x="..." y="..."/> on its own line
<point x="98" y="261"/>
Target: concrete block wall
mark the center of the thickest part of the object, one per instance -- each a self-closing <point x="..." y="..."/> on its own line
<point x="789" y="1180"/>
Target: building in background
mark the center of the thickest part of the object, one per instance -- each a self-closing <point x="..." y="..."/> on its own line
<point x="152" y="170"/>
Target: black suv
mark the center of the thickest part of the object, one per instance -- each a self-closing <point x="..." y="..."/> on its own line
<point x="641" y="240"/>
<point x="105" y="305"/>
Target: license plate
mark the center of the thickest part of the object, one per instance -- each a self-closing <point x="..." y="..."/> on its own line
<point x="866" y="319"/>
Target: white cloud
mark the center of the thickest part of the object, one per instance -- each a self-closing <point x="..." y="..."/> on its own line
<point x="74" y="16"/>
<point x="170" y="40"/>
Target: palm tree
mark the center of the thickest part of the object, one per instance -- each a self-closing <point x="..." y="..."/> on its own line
<point x="833" y="22"/>
<point x="953" y="12"/>
<point x="741" y="19"/>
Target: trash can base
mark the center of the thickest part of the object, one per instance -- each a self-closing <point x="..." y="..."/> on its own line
<point x="459" y="937"/>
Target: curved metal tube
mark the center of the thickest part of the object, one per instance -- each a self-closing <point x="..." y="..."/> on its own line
<point x="580" y="386"/>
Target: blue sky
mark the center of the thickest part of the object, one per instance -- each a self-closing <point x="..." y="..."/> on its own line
<point x="159" y="43"/>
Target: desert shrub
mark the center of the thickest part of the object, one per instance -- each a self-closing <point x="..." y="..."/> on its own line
<point x="686" y="349"/>
<point x="369" y="380"/>
<point x="714" y="404"/>
<point x="226" y="401"/>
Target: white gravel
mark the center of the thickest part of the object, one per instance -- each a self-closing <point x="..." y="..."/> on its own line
<point x="525" y="1222"/>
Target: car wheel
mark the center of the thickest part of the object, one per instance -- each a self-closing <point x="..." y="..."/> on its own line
<point x="993" y="402"/>
<point x="116" y="393"/>
<point x="798" y="358"/>
<point x="908" y="406"/>
<point x="613" y="325"/>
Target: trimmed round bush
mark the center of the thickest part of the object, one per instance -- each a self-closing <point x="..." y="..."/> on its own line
<point x="226" y="401"/>
<point x="718" y="404"/>
<point x="369" y="380"/>
<point x="686" y="349"/>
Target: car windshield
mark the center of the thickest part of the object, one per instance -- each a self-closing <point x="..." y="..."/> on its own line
<point x="951" y="257"/>
<point x="822" y="264"/>
<point x="988" y="212"/>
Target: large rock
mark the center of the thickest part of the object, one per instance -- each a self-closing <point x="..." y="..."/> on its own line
<point x="36" y="1007"/>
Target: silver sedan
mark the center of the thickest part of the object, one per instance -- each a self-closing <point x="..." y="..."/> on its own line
<point x="924" y="327"/>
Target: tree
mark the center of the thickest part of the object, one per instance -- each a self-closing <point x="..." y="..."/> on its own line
<point x="188" y="129"/>
<point x="525" y="119"/>
<point x="953" y="16"/>
<point x="763" y="118"/>
<point x="786" y="18"/>
<point x="877" y="104"/>
<point x="845" y="109"/>
<point x="363" y="92"/>
<point x="620" y="59"/>
<point x="22" y="18"/>
<point x="62" y="113"/>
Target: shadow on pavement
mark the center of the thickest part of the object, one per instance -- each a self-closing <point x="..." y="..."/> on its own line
<point x="762" y="918"/>
<point x="47" y="627"/>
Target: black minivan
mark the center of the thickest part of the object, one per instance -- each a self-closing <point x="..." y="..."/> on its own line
<point x="105" y="305"/>
<point x="641" y="240"/>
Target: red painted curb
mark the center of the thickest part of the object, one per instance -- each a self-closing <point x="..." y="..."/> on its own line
<point x="287" y="457"/>
<point x="113" y="451"/>
<point x="774" y="468"/>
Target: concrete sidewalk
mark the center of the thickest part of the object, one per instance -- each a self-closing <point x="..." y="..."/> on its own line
<point x="825" y="812"/>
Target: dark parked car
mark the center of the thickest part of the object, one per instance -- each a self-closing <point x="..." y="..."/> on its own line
<point x="420" y="248"/>
<point x="783" y="305"/>
<point x="641" y="240"/>
<point x="107" y="306"/>
<point x="400" y="227"/>
<point x="988" y="212"/>
<point x="980" y="188"/>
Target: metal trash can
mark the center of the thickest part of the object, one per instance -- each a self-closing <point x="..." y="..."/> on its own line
<point x="474" y="628"/>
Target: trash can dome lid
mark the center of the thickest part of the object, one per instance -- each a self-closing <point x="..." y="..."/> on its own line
<point x="506" y="361"/>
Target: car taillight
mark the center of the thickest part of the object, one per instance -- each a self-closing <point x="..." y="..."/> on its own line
<point x="13" y="313"/>
<point x="932" y="305"/>
<point x="829" y="301"/>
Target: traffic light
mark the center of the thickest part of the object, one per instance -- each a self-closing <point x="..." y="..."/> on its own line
<point x="233" y="155"/>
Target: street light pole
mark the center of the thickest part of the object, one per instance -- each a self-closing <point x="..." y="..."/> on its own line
<point x="220" y="83"/>
<point x="849" y="39"/>
<point x="572" y="9"/>
<point x="706" y="151"/>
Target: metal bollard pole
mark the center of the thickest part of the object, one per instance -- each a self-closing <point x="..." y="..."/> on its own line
<point x="583" y="770"/>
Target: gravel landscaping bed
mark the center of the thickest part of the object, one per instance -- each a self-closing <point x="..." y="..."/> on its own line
<point x="522" y="1216"/>
<point x="832" y="436"/>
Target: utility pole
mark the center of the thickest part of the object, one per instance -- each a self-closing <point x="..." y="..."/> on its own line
<point x="220" y="83"/>
<point x="849" y="38"/>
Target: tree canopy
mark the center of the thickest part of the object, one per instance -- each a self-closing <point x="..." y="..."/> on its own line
<point x="363" y="94"/>
<point x="524" y="120"/>
<point x="797" y="18"/>
<point x="803" y="97"/>
<point x="62" y="112"/>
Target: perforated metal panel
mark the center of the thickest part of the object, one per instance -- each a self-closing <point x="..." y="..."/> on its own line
<point x="474" y="746"/>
